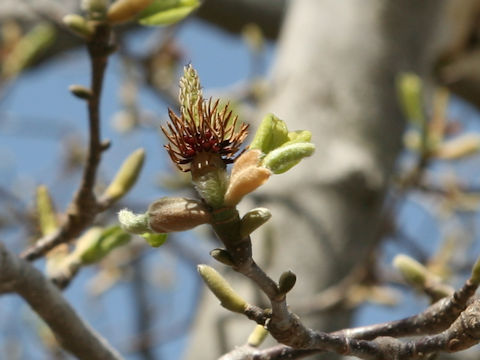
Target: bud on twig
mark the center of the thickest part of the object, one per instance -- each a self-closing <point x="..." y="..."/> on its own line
<point x="133" y="223"/>
<point x="247" y="175"/>
<point x="229" y="299"/>
<point x="253" y="219"/>
<point x="459" y="147"/>
<point x="79" y="25"/>
<point x="287" y="282"/>
<point x="409" y="90"/>
<point x="177" y="214"/>
<point x="412" y="271"/>
<point x="257" y="336"/>
<point x="92" y="248"/>
<point x="222" y="256"/>
<point x="475" y="277"/>
<point x="80" y="92"/>
<point x="45" y="212"/>
<point x="285" y="157"/>
<point x="126" y="176"/>
<point x="125" y="10"/>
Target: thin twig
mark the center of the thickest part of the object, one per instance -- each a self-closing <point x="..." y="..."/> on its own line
<point x="84" y="206"/>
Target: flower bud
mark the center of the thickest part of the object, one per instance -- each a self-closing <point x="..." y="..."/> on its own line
<point x="285" y="157"/>
<point x="247" y="175"/>
<point x="126" y="176"/>
<point x="79" y="25"/>
<point x="286" y="282"/>
<point x="177" y="214"/>
<point x="229" y="299"/>
<point x="125" y="10"/>
<point x="253" y="219"/>
<point x="257" y="336"/>
<point x="271" y="134"/>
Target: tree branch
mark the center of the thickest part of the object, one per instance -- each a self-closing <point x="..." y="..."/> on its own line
<point x="84" y="206"/>
<point x="73" y="334"/>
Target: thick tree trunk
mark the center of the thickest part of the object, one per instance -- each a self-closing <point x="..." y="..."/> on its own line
<point x="334" y="75"/>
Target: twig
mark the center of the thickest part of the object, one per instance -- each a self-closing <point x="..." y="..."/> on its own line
<point x="74" y="335"/>
<point x="84" y="206"/>
<point x="462" y="322"/>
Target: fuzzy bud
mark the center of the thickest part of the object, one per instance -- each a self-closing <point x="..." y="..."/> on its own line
<point x="229" y="299"/>
<point x="133" y="223"/>
<point x="286" y="282"/>
<point x="125" y="10"/>
<point x="287" y="156"/>
<point x="253" y="219"/>
<point x="79" y="25"/>
<point x="222" y="256"/>
<point x="247" y="175"/>
<point x="176" y="214"/>
<point x="126" y="176"/>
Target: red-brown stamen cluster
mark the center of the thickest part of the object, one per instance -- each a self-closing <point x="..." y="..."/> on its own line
<point x="213" y="131"/>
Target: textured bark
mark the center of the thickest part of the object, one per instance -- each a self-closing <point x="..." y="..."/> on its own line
<point x="334" y="75"/>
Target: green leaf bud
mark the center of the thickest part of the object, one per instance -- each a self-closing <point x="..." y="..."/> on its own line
<point x="28" y="48"/>
<point x="95" y="9"/>
<point x="258" y="335"/>
<point x="412" y="271"/>
<point x="126" y="176"/>
<point x="409" y="90"/>
<point x="271" y="134"/>
<point x="298" y="136"/>
<point x="47" y="219"/>
<point x="287" y="282"/>
<point x="475" y="277"/>
<point x="155" y="240"/>
<point x="222" y="256"/>
<point x="92" y="248"/>
<point x="80" y="92"/>
<point x="125" y="10"/>
<point x="162" y="12"/>
<point x="171" y="214"/>
<point x="229" y="299"/>
<point x="79" y="25"/>
<point x="253" y="219"/>
<point x="133" y="223"/>
<point x="285" y="157"/>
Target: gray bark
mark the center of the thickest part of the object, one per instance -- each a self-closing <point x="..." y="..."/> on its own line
<point x="334" y="75"/>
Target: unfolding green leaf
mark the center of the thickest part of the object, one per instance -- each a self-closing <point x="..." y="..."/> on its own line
<point x="167" y="12"/>
<point x="155" y="240"/>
